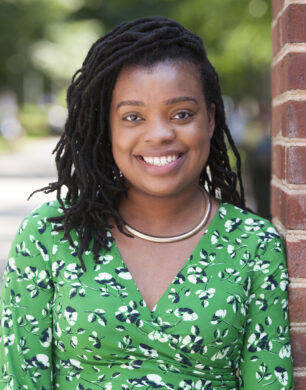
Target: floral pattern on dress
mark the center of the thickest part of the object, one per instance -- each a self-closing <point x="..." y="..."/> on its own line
<point x="221" y="324"/>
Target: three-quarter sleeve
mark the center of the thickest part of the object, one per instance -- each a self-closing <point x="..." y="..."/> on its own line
<point x="266" y="356"/>
<point x="26" y="312"/>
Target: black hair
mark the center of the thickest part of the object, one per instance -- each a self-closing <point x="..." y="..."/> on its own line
<point x="84" y="157"/>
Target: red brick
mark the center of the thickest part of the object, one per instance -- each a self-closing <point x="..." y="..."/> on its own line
<point x="278" y="78"/>
<point x="277" y="118"/>
<point x="288" y="208"/>
<point x="296" y="70"/>
<point x="296" y="165"/>
<point x="300" y="382"/>
<point x="289" y="73"/>
<point x="298" y="342"/>
<point x="278" y="161"/>
<point x="295" y="16"/>
<point x="297" y="307"/>
<point x="296" y="258"/>
<point x="290" y="27"/>
<point x="289" y="120"/>
<point x="277" y="5"/>
<point x="292" y="118"/>
<point x="296" y="206"/>
<point x="278" y="205"/>
<point x="277" y="201"/>
<point x="296" y="211"/>
<point x="276" y="35"/>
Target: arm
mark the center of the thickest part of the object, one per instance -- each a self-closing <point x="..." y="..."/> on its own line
<point x="266" y="357"/>
<point x="26" y="312"/>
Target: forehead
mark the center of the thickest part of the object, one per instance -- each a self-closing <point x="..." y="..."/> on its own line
<point x="166" y="77"/>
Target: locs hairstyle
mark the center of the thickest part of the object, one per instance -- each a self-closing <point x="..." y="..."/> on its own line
<point x="84" y="158"/>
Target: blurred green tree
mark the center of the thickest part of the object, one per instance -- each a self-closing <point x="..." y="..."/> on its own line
<point x="23" y="22"/>
<point x="236" y="34"/>
<point x="49" y="38"/>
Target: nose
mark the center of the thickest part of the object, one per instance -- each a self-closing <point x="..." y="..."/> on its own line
<point x="159" y="132"/>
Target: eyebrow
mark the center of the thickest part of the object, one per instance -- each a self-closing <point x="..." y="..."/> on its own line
<point x="169" y="101"/>
<point x="181" y="99"/>
<point x="130" y="103"/>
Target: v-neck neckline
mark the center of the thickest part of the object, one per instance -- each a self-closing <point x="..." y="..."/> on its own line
<point x="199" y="243"/>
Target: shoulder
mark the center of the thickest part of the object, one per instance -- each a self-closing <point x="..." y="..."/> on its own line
<point x="245" y="226"/>
<point x="38" y="223"/>
<point x="251" y="239"/>
<point x="47" y="210"/>
<point x="247" y="220"/>
<point x="30" y="249"/>
<point x="44" y="212"/>
<point x="230" y="210"/>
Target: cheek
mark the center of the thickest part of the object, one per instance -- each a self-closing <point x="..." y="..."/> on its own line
<point x="116" y="138"/>
<point x="199" y="138"/>
<point x="121" y="149"/>
<point x="200" y="144"/>
<point x="117" y="152"/>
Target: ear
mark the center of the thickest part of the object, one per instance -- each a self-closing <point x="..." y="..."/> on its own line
<point x="211" y="120"/>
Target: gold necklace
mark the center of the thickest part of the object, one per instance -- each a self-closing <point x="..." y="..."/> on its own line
<point x="180" y="237"/>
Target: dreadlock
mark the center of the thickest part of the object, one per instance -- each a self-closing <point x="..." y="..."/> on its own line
<point x="84" y="157"/>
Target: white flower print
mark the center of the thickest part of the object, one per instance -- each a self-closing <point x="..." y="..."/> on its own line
<point x="218" y="316"/>
<point x="186" y="314"/>
<point x="71" y="315"/>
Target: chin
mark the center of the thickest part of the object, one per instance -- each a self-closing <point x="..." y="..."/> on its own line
<point x="159" y="190"/>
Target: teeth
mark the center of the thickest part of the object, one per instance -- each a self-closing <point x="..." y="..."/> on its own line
<point x="156" y="161"/>
<point x="160" y="161"/>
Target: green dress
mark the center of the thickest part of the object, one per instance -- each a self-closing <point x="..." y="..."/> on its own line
<point x="221" y="324"/>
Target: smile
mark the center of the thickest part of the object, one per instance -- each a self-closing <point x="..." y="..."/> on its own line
<point x="160" y="161"/>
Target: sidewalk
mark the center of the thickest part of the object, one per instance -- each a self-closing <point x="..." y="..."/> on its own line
<point x="29" y="167"/>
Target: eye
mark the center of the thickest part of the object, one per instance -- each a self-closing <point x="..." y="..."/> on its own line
<point x="183" y="115"/>
<point x="132" y="118"/>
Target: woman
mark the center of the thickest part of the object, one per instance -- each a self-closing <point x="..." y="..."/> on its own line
<point x="140" y="277"/>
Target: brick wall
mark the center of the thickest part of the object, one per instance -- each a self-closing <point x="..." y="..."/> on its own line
<point x="288" y="187"/>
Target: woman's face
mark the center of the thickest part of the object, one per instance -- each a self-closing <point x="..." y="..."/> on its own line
<point x="160" y="127"/>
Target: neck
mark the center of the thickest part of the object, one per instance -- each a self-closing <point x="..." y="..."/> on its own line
<point x="167" y="215"/>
